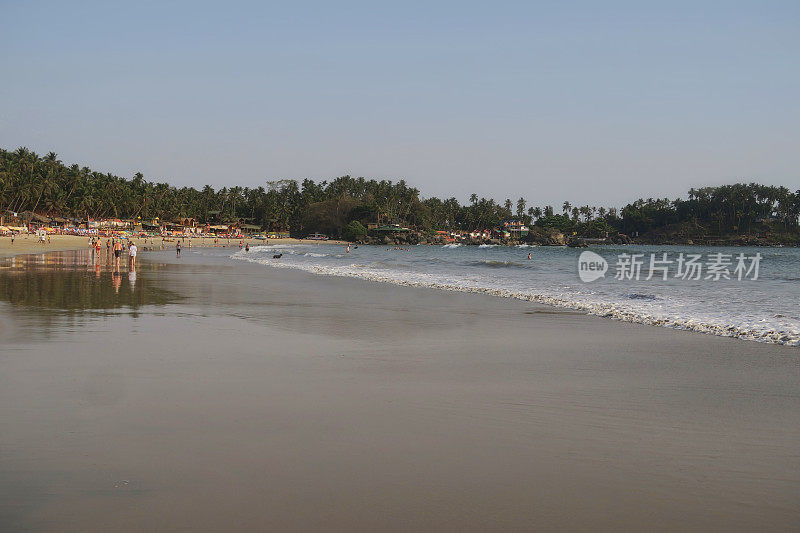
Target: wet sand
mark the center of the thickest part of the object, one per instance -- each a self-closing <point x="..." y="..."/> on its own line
<point x="208" y="395"/>
<point x="29" y="244"/>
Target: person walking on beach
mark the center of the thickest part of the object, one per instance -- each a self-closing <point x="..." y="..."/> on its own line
<point x="178" y="248"/>
<point x="117" y="252"/>
<point x="132" y="252"/>
<point x="12" y="237"/>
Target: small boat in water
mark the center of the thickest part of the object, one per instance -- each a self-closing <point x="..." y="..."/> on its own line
<point x="317" y="237"/>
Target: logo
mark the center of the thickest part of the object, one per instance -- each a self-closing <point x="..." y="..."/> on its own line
<point x="718" y="266"/>
<point x="591" y="266"/>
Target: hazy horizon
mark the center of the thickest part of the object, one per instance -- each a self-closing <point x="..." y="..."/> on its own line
<point x="593" y="104"/>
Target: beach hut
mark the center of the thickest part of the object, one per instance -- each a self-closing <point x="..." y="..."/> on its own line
<point x="250" y="229"/>
<point x="515" y="228"/>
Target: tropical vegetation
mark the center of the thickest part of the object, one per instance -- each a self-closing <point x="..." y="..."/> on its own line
<point x="345" y="206"/>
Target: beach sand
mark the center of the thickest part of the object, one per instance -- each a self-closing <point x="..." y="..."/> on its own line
<point x="29" y="244"/>
<point x="207" y="395"/>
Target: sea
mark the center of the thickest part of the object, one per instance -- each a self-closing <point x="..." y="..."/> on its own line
<point x="750" y="293"/>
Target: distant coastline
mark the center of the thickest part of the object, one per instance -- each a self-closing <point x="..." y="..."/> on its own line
<point x="43" y="191"/>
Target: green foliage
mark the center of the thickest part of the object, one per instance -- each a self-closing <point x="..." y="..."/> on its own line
<point x="560" y="222"/>
<point x="29" y="182"/>
<point x="354" y="230"/>
<point x="597" y="228"/>
<point x="329" y="216"/>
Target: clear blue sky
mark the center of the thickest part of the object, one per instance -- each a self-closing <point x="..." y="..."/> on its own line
<point x="595" y="102"/>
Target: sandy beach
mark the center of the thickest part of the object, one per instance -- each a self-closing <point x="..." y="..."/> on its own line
<point x="201" y="395"/>
<point x="29" y="244"/>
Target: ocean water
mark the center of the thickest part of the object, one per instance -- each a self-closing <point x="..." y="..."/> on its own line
<point x="765" y="309"/>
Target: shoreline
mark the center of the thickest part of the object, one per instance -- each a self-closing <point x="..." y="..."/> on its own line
<point x="777" y="338"/>
<point x="607" y="312"/>
<point x="29" y="244"/>
<point x="275" y="399"/>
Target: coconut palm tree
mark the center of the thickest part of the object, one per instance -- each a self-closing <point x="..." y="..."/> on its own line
<point x="521" y="206"/>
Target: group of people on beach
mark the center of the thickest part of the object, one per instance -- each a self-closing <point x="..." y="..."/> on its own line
<point x="114" y="249"/>
<point x="114" y="245"/>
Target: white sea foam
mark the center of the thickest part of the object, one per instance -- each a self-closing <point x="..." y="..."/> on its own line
<point x="552" y="280"/>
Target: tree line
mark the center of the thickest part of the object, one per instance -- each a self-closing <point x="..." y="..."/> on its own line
<point x="44" y="185"/>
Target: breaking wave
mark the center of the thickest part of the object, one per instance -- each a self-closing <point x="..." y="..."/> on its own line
<point x="649" y="310"/>
<point x="639" y="296"/>
<point x="495" y="264"/>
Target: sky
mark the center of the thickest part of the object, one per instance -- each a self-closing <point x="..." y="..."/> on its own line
<point x="597" y="103"/>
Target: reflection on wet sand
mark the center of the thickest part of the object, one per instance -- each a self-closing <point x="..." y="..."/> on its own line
<point x="43" y="288"/>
